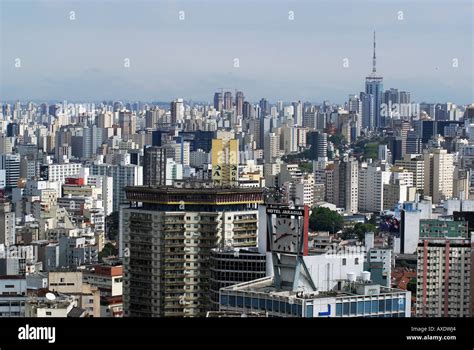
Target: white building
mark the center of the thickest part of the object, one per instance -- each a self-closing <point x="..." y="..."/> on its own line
<point x="59" y="172"/>
<point x="372" y="178"/>
<point x="106" y="183"/>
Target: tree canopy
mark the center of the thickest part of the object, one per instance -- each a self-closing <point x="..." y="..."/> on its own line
<point x="324" y="219"/>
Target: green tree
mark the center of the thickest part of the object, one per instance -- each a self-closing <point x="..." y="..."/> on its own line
<point x="109" y="250"/>
<point x="324" y="219"/>
<point x="306" y="167"/>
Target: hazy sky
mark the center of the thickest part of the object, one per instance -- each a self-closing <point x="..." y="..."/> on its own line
<point x="83" y="59"/>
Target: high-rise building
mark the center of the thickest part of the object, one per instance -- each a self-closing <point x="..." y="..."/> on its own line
<point x="372" y="178"/>
<point x="272" y="147"/>
<point x="402" y="127"/>
<point x="128" y="123"/>
<point x="355" y="105"/>
<point x="11" y="164"/>
<point x="247" y="110"/>
<point x="298" y="113"/>
<point x="414" y="144"/>
<point x="341" y="184"/>
<point x="168" y="234"/>
<point x="228" y="103"/>
<point x="105" y="120"/>
<point x="416" y="165"/>
<point x="438" y="179"/>
<point x="264" y="108"/>
<point x="372" y="104"/>
<point x="225" y="161"/>
<point x="319" y="144"/>
<point x="444" y="275"/>
<point x="154" y="166"/>
<point x="7" y="223"/>
<point x="152" y="118"/>
<point x="92" y="138"/>
<point x="123" y="175"/>
<point x="218" y="101"/>
<point x="239" y="103"/>
<point x="231" y="266"/>
<point x="177" y="111"/>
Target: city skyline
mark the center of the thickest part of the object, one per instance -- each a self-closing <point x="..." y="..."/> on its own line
<point x="170" y="58"/>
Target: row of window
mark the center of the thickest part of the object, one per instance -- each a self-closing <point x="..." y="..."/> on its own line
<point x="262" y="304"/>
<point x="370" y="306"/>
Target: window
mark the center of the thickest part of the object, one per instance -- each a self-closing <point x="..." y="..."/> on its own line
<point x="360" y="307"/>
<point x="353" y="308"/>
<point x="269" y="305"/>
<point x="381" y="305"/>
<point x="357" y="261"/>
<point x="338" y="309"/>
<point x="309" y="311"/>
<point x="345" y="309"/>
<point x="344" y="261"/>
<point x="254" y="303"/>
<point x="375" y="306"/>
<point x="48" y="313"/>
<point x="388" y="305"/>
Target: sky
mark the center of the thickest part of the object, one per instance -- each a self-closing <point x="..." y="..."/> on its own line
<point x="323" y="53"/>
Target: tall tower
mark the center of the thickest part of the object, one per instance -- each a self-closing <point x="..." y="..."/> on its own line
<point x="373" y="91"/>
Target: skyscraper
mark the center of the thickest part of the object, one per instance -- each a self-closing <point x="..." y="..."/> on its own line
<point x="264" y="108"/>
<point x="128" y="123"/>
<point x="218" y="101"/>
<point x="168" y="235"/>
<point x="154" y="166"/>
<point x="11" y="164"/>
<point x="373" y="88"/>
<point x="227" y="100"/>
<point x="177" y="111"/>
<point x="239" y="103"/>
<point x="444" y="269"/>
<point x="439" y="169"/>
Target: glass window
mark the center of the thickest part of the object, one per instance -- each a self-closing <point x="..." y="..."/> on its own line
<point x="381" y="305"/>
<point x="248" y="302"/>
<point x="240" y="301"/>
<point x="254" y="303"/>
<point x="261" y="304"/>
<point x="353" y="308"/>
<point x="232" y="300"/>
<point x="309" y="311"/>
<point x="395" y="304"/>
<point x="299" y="310"/>
<point x="269" y="305"/>
<point x="388" y="305"/>
<point x="360" y="307"/>
<point x="401" y="304"/>
<point x="276" y="305"/>
<point x="395" y="314"/>
<point x="294" y="309"/>
<point x="367" y="309"/>
<point x="344" y="261"/>
<point x="345" y="309"/>
<point x="288" y="308"/>
<point x="338" y="309"/>
<point x="282" y="306"/>
<point x="224" y="300"/>
<point x="375" y="306"/>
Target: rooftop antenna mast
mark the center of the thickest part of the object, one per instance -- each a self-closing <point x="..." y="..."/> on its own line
<point x="374" y="59"/>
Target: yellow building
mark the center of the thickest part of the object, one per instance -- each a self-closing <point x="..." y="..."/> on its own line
<point x="225" y="162"/>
